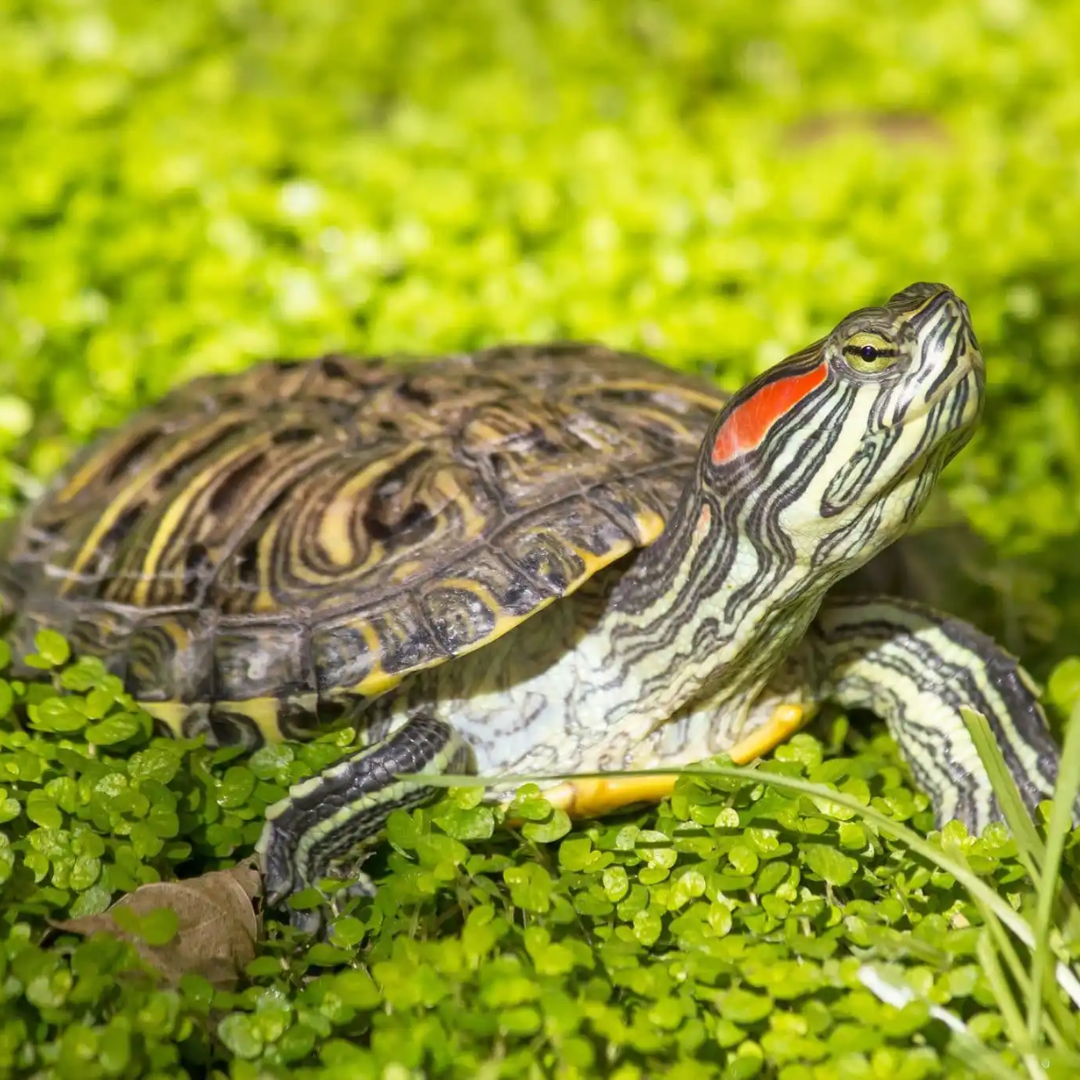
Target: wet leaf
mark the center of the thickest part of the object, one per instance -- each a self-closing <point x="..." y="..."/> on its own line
<point x="834" y="866"/>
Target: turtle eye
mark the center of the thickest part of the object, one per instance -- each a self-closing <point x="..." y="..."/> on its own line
<point x="867" y="352"/>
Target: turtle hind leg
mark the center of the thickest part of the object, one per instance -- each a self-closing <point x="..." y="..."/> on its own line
<point x="344" y="808"/>
<point x="915" y="668"/>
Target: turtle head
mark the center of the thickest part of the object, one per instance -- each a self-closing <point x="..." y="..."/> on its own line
<point x="828" y="457"/>
<point x="804" y="475"/>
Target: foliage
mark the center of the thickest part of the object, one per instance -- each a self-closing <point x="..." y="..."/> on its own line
<point x="740" y="930"/>
<point x="190" y="186"/>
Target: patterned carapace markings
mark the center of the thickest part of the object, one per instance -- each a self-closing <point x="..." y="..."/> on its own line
<point x="304" y="530"/>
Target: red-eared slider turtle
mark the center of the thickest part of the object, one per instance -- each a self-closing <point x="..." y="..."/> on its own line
<point x="626" y="569"/>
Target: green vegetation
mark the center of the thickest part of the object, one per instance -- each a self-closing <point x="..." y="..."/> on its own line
<point x="190" y="186"/>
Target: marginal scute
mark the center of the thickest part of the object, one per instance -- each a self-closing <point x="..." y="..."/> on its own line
<point x="251" y="721"/>
<point x="542" y="553"/>
<point x="366" y="653"/>
<point x="406" y="640"/>
<point x="262" y="659"/>
<point x="247" y="727"/>
<point x="170" y="657"/>
<point x="510" y="589"/>
<point x="103" y="632"/>
<point x="635" y="504"/>
<point x="462" y="612"/>
<point x="259" y="548"/>
<point x="302" y="716"/>
<point x="181" y="720"/>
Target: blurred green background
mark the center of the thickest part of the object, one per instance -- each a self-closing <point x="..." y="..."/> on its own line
<point x="191" y="186"/>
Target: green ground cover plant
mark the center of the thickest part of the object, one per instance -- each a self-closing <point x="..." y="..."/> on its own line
<point x="189" y="187"/>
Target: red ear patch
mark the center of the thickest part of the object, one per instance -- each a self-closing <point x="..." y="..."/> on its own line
<point x="748" y="424"/>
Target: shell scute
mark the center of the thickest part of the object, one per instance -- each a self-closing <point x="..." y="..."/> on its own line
<point x="170" y="657"/>
<point x="366" y="652"/>
<point x="263" y="660"/>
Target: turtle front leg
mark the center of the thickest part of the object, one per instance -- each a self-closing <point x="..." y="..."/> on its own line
<point x="343" y="809"/>
<point x="915" y="668"/>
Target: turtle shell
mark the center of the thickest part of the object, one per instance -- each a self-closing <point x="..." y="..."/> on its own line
<point x="258" y="548"/>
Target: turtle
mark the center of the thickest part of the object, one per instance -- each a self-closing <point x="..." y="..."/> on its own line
<point x="530" y="558"/>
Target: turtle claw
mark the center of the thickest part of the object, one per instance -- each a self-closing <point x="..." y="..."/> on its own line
<point x="592" y="797"/>
<point x="785" y="721"/>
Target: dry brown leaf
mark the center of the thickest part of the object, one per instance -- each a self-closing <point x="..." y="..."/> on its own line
<point x="217" y="924"/>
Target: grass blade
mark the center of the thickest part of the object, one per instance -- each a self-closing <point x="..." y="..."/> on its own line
<point x="1061" y="817"/>
<point x="1029" y="845"/>
<point x="962" y="1044"/>
<point x="1010" y="1013"/>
